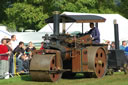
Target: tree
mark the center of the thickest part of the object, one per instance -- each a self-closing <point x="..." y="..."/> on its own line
<point x="3" y="6"/>
<point x="30" y="14"/>
<point x="123" y="8"/>
<point x="64" y="5"/>
<point x="26" y="16"/>
<point x="106" y="6"/>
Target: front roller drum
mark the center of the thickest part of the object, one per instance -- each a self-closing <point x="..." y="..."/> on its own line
<point x="97" y="61"/>
<point x="45" y="68"/>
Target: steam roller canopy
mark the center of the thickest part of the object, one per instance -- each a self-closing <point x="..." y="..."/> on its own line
<point x="44" y="68"/>
<point x="97" y="61"/>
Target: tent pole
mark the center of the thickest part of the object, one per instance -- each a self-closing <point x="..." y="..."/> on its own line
<point x="82" y="28"/>
<point x="63" y="25"/>
<point x="97" y="25"/>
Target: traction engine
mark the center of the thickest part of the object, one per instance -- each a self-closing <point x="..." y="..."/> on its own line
<point x="65" y="55"/>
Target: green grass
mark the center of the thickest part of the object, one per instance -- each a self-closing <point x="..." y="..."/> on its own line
<point x="116" y="79"/>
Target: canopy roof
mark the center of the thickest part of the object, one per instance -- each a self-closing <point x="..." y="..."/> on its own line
<point x="78" y="18"/>
<point x="106" y="29"/>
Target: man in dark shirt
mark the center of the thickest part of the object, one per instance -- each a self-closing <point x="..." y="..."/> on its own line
<point x="19" y="49"/>
<point x="19" y="53"/>
<point x="95" y="34"/>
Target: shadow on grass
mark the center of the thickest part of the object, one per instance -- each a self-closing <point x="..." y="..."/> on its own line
<point x="26" y="77"/>
<point x="75" y="78"/>
<point x="72" y="78"/>
<point x="79" y="76"/>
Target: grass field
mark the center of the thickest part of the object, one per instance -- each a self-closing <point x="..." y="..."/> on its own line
<point x="116" y="79"/>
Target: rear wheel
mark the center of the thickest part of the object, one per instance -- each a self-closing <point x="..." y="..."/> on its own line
<point x="97" y="61"/>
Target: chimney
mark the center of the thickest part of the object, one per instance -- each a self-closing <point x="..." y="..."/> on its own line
<point x="116" y="33"/>
<point x="56" y="22"/>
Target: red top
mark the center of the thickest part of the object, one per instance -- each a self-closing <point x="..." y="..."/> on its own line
<point x="42" y="48"/>
<point x="3" y="49"/>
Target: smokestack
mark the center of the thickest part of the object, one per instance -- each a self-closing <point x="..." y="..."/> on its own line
<point x="116" y="33"/>
<point x="56" y="22"/>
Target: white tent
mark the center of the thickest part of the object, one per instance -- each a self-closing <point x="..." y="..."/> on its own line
<point x="4" y="33"/>
<point x="106" y="29"/>
<point x="26" y="37"/>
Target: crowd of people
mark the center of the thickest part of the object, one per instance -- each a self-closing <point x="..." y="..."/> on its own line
<point x="111" y="45"/>
<point x="10" y="48"/>
<point x="123" y="46"/>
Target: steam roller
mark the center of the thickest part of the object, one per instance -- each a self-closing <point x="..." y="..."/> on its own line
<point x="64" y="55"/>
<point x="50" y="67"/>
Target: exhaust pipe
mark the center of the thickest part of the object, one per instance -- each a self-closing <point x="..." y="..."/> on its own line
<point x="56" y="23"/>
<point x="116" y="33"/>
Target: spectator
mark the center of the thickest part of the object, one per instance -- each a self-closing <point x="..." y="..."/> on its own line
<point x="29" y="49"/>
<point x="123" y="46"/>
<point x="4" y="65"/>
<point x="19" y="57"/>
<point x="26" y="59"/>
<point x="112" y="46"/>
<point x="42" y="46"/>
<point x="126" y="53"/>
<point x="14" y="42"/>
<point x="108" y="43"/>
<point x="9" y="45"/>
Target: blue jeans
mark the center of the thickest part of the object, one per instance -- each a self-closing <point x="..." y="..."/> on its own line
<point x="20" y="65"/>
<point x="26" y="65"/>
<point x="11" y="65"/>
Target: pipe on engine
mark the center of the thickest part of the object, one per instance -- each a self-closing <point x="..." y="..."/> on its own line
<point x="56" y="22"/>
<point x="116" y="33"/>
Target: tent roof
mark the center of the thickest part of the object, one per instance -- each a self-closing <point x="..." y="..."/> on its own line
<point x="26" y="37"/>
<point x="78" y="18"/>
<point x="4" y="34"/>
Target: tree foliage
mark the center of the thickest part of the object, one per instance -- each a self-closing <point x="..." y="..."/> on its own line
<point x="26" y="16"/>
<point x="124" y="8"/>
<point x="3" y="6"/>
<point x="30" y="14"/>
